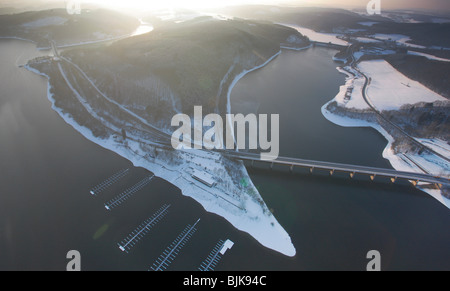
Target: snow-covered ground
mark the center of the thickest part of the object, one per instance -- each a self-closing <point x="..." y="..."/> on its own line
<point x="399" y="38"/>
<point x="397" y="161"/>
<point x="428" y="56"/>
<point x="438" y="145"/>
<point x="368" y="23"/>
<point x="373" y="51"/>
<point x="47" y="21"/>
<point x="367" y="40"/>
<point x="101" y="37"/>
<point x="239" y="203"/>
<point x="389" y="89"/>
<point x="402" y="17"/>
<point x="142" y="29"/>
<point x="318" y="36"/>
<point x="354" y="83"/>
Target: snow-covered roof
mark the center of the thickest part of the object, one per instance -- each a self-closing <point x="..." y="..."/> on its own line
<point x="203" y="177"/>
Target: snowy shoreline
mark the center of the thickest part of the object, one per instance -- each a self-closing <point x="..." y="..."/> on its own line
<point x="240" y="76"/>
<point x="252" y="218"/>
<point x="245" y="72"/>
<point x="355" y="82"/>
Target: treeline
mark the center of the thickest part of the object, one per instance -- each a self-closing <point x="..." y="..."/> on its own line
<point x="72" y="29"/>
<point x="425" y="120"/>
<point x="191" y="58"/>
<point x="433" y="74"/>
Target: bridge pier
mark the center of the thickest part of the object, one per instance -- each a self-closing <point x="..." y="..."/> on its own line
<point x="253" y="163"/>
<point x="352" y="175"/>
<point x="271" y="166"/>
<point x="331" y="172"/>
<point x="311" y="170"/>
<point x="372" y="177"/>
<point x="291" y="169"/>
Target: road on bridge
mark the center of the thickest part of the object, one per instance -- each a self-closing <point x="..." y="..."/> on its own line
<point x="371" y="171"/>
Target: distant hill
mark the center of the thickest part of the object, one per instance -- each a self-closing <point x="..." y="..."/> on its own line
<point x="331" y="20"/>
<point x="319" y="19"/>
<point x="58" y="25"/>
<point x="191" y="63"/>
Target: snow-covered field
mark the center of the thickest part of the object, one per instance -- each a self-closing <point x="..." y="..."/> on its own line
<point x="400" y="38"/>
<point x="438" y="145"/>
<point x="389" y="89"/>
<point x="428" y="56"/>
<point x="318" y="36"/>
<point x="367" y="40"/>
<point x="368" y="23"/>
<point x="142" y="29"/>
<point x="47" y="21"/>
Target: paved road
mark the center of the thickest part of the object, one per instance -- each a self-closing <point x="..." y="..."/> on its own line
<point x="391" y="173"/>
<point x="374" y="109"/>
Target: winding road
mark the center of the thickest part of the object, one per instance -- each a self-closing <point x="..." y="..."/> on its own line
<point x="353" y="64"/>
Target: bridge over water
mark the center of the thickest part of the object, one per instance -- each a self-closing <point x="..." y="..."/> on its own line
<point x="311" y="164"/>
<point x="347" y="168"/>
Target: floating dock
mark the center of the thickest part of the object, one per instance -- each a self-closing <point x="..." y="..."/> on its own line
<point x="109" y="182"/>
<point x="128" y="193"/>
<point x="135" y="236"/>
<point x="167" y="257"/>
<point x="215" y="255"/>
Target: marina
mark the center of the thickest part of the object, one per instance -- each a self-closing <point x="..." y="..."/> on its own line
<point x="135" y="236"/>
<point x="128" y="193"/>
<point x="109" y="182"/>
<point x="215" y="255"/>
<point x="164" y="260"/>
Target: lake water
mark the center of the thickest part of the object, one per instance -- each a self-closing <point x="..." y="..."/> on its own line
<point x="333" y="221"/>
<point x="47" y="169"/>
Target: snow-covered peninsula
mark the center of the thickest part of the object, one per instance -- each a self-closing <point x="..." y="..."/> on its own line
<point x="82" y="95"/>
<point x="234" y="196"/>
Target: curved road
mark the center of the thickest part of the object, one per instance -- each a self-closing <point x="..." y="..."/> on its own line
<point x="374" y="109"/>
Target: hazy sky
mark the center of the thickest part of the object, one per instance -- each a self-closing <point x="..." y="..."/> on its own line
<point x="441" y="5"/>
<point x="387" y="4"/>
